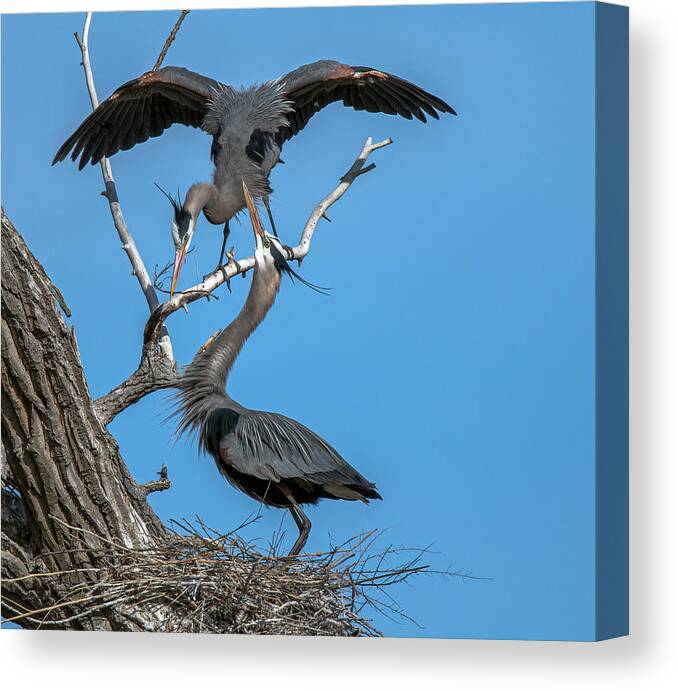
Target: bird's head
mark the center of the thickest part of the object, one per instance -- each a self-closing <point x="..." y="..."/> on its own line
<point x="269" y="253"/>
<point x="183" y="227"/>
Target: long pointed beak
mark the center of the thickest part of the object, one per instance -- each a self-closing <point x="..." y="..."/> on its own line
<point x="179" y="257"/>
<point x="257" y="225"/>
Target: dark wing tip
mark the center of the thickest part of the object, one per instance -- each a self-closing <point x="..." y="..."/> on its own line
<point x="449" y="109"/>
<point x="61" y="154"/>
<point x="167" y="96"/>
<point x="412" y="98"/>
<point x="444" y="106"/>
<point x="316" y="85"/>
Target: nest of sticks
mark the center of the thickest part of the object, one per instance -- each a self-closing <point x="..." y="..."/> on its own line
<point x="198" y="581"/>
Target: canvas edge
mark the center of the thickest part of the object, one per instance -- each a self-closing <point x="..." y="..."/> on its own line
<point x="612" y="321"/>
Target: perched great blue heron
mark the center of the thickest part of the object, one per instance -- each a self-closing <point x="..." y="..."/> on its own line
<point x="248" y="128"/>
<point x="268" y="456"/>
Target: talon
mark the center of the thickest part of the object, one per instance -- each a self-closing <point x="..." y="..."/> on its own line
<point x="289" y="251"/>
<point x="231" y="258"/>
<point x="327" y="218"/>
<point x="227" y="279"/>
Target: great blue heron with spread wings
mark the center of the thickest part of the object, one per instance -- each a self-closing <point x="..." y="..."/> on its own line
<point x="268" y="456"/>
<point x="248" y="128"/>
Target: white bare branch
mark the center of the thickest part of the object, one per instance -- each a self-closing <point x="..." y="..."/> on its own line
<point x="128" y="244"/>
<point x="241" y="266"/>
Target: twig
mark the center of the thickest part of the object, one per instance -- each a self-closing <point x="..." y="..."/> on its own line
<point x="128" y="244"/>
<point x="157" y="485"/>
<point x="224" y="274"/>
<point x="154" y="371"/>
<point x="60" y="299"/>
<point x="196" y="580"/>
<point x="170" y="40"/>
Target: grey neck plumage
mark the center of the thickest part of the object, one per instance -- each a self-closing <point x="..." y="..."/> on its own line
<point x="203" y="384"/>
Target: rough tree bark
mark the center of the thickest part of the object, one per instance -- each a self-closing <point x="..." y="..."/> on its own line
<point x="73" y="518"/>
<point x="60" y="458"/>
<point x="69" y="501"/>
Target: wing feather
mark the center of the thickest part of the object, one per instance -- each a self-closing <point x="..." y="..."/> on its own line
<point x="139" y="109"/>
<point x="314" y="86"/>
<point x="408" y="101"/>
<point x="270" y="446"/>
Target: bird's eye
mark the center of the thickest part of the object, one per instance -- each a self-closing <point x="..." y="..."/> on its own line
<point x="267" y="244"/>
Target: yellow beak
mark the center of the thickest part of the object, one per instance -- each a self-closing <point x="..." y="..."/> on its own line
<point x="257" y="225"/>
<point x="179" y="257"/>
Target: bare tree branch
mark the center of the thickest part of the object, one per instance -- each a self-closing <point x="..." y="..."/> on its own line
<point x="111" y="194"/>
<point x="170" y="40"/>
<point x="159" y="485"/>
<point x="153" y="372"/>
<point x="81" y="547"/>
<point x="224" y="274"/>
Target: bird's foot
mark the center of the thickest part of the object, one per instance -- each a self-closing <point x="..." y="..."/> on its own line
<point x="234" y="261"/>
<point x="223" y="268"/>
<point x="289" y="251"/>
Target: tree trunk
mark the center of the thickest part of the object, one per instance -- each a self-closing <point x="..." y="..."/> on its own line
<point x="81" y="547"/>
<point x="64" y="474"/>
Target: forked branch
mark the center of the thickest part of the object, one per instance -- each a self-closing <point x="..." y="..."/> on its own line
<point x="111" y="194"/>
<point x="153" y="372"/>
<point x="157" y="369"/>
<point x="156" y="321"/>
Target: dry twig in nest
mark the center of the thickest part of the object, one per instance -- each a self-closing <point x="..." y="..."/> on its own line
<point x="198" y="581"/>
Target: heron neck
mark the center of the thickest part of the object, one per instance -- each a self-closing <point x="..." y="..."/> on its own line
<point x="198" y="197"/>
<point x="218" y="359"/>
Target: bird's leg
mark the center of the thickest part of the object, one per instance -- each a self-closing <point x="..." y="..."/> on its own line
<point x="300" y="518"/>
<point x="220" y="263"/>
<point x="270" y="215"/>
<point x="227" y="232"/>
<point x="304" y="525"/>
<point x="231" y="258"/>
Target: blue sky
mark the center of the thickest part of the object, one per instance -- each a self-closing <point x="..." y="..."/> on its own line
<point x="453" y="363"/>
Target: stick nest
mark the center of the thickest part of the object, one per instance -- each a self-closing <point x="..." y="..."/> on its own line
<point x="197" y="581"/>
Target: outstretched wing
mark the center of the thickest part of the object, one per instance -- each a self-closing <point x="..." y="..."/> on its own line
<point x="313" y="86"/>
<point x="143" y="107"/>
<point x="274" y="448"/>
